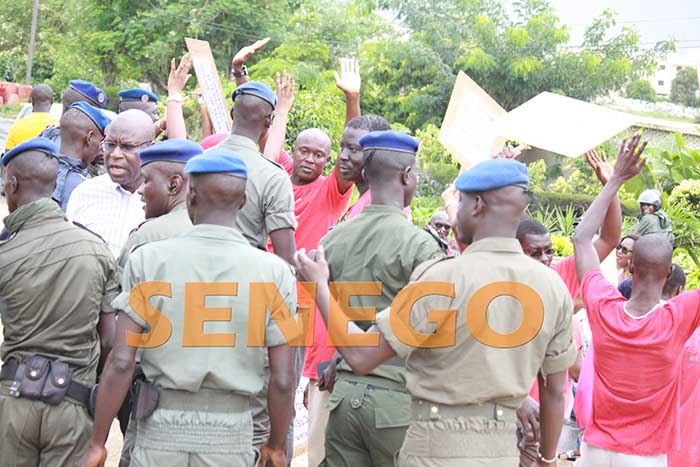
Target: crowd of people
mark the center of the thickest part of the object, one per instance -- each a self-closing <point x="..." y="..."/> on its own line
<point x="184" y="288"/>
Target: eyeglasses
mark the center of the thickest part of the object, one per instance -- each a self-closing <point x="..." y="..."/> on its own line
<point x="130" y="148"/>
<point x="549" y="252"/>
<point x="623" y="249"/>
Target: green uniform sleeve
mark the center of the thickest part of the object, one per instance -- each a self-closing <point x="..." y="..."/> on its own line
<point x="131" y="276"/>
<point x="561" y="351"/>
<point x="279" y="203"/>
<point x="111" y="287"/>
<point x="286" y="285"/>
<point x="646" y="226"/>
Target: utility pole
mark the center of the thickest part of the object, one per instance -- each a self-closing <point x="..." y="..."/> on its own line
<point x="32" y="36"/>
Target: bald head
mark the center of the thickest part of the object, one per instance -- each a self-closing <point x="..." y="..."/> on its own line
<point x="493" y="213"/>
<point x="252" y="117"/>
<point x="132" y="122"/>
<point x="41" y="97"/>
<point x="148" y="107"/>
<point x="80" y="136"/>
<point x="380" y="164"/>
<point x="164" y="187"/>
<point x="215" y="198"/>
<point x="28" y="177"/>
<point x="316" y="137"/>
<point x="651" y="258"/>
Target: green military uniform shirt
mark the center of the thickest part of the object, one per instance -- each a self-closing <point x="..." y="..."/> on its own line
<point x="207" y="253"/>
<point x="55" y="279"/>
<point x="378" y="245"/>
<point x="152" y="230"/>
<point x="655" y="223"/>
<point x="269" y="204"/>
<point x="471" y="372"/>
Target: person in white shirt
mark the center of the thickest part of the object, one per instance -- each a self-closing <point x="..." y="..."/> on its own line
<point x="109" y="204"/>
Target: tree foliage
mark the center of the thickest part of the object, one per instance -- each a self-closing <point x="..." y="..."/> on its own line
<point x="684" y="88"/>
<point x="641" y="89"/>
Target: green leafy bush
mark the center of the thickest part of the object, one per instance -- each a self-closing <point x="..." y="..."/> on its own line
<point x="562" y="245"/>
<point x="641" y="89"/>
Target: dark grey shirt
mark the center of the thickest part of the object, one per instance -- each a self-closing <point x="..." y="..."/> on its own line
<point x="71" y="173"/>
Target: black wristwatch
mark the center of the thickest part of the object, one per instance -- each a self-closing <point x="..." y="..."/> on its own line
<point x="240" y="74"/>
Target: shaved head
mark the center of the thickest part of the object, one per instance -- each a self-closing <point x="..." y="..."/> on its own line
<point x="164" y="187"/>
<point x="80" y="137"/>
<point x="652" y="258"/>
<point x="494" y="213"/>
<point x="149" y="108"/>
<point x="28" y="177"/>
<point x="41" y="97"/>
<point x="252" y="117"/>
<point x="391" y="171"/>
<point x="128" y="133"/>
<point x="134" y="123"/>
<point x="310" y="155"/>
<point x="215" y="198"/>
<point x="315" y="136"/>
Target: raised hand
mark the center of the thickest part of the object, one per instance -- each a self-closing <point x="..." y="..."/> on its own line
<point x="509" y="152"/>
<point x="349" y="80"/>
<point x="179" y="75"/>
<point x="284" y="87"/>
<point x="600" y="165"/>
<point x="311" y="267"/>
<point x="629" y="160"/>
<point x="246" y="52"/>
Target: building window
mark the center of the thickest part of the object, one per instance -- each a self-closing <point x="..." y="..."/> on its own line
<point x="661" y="83"/>
<point x="662" y="67"/>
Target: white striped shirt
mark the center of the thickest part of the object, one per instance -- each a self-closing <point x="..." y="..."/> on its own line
<point x="107" y="209"/>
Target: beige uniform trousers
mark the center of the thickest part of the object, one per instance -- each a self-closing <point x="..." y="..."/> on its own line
<point x="459" y="442"/>
<point x="318" y="419"/>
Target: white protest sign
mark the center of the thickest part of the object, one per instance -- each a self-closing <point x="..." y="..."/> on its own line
<point x="563" y="125"/>
<point x="208" y="78"/>
<point x="468" y="130"/>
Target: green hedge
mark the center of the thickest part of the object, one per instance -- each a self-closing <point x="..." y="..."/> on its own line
<point x="579" y="202"/>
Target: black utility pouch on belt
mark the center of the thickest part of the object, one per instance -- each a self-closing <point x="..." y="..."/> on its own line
<point x="41" y="379"/>
<point x="146" y="400"/>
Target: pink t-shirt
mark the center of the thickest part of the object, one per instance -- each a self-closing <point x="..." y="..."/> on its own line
<point x="566" y="269"/>
<point x="636" y="395"/>
<point x="317" y="207"/>
<point x="689" y="453"/>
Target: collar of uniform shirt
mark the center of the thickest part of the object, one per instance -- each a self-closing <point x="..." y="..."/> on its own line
<point x="495" y="244"/>
<point x="242" y="141"/>
<point x="217" y="232"/>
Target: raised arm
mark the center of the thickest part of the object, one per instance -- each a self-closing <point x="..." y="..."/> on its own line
<point x="362" y="360"/>
<point x="205" y="118"/>
<point x="627" y="166"/>
<point x="612" y="225"/>
<point x="284" y="86"/>
<point x="175" y="119"/>
<point x="238" y="68"/>
<point x="350" y="83"/>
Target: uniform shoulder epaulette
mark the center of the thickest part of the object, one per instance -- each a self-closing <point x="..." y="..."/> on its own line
<point x="78" y="224"/>
<point x="276" y="164"/>
<point x="140" y="225"/>
<point x="423" y="267"/>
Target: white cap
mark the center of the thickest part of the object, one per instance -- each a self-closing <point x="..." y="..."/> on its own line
<point x="650" y="197"/>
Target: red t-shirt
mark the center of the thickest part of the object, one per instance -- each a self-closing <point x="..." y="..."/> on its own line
<point x="317" y="207"/>
<point x="636" y="395"/>
<point x="566" y="269"/>
<point x="688" y="455"/>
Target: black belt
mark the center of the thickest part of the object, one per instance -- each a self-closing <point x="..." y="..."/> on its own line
<point x="77" y="391"/>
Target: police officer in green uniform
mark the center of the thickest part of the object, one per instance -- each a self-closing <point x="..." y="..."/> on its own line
<point x="370" y="414"/>
<point x="57" y="282"/>
<point x="163" y="190"/>
<point x="269" y="207"/>
<point x="187" y="300"/>
<point x="474" y="332"/>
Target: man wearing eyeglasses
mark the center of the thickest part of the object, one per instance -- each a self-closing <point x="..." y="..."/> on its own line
<point x="109" y="204"/>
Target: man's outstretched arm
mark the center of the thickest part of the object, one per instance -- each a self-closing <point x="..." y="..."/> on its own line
<point x="612" y="224"/>
<point x="362" y="360"/>
<point x="627" y="166"/>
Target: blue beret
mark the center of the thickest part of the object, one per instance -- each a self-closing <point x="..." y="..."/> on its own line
<point x="35" y="144"/>
<point x="170" y="150"/>
<point x="217" y="161"/>
<point x="90" y="91"/>
<point x="96" y="115"/>
<point x="257" y="89"/>
<point x="491" y="174"/>
<point x="137" y="94"/>
<point x="390" y="140"/>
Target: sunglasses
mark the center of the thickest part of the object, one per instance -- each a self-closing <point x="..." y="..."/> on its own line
<point x="443" y="226"/>
<point x="540" y="253"/>
<point x="623" y="249"/>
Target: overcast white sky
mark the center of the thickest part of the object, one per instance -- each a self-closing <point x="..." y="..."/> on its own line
<point x="655" y="19"/>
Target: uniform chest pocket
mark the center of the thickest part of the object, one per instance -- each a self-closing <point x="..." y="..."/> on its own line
<point x="392" y="410"/>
